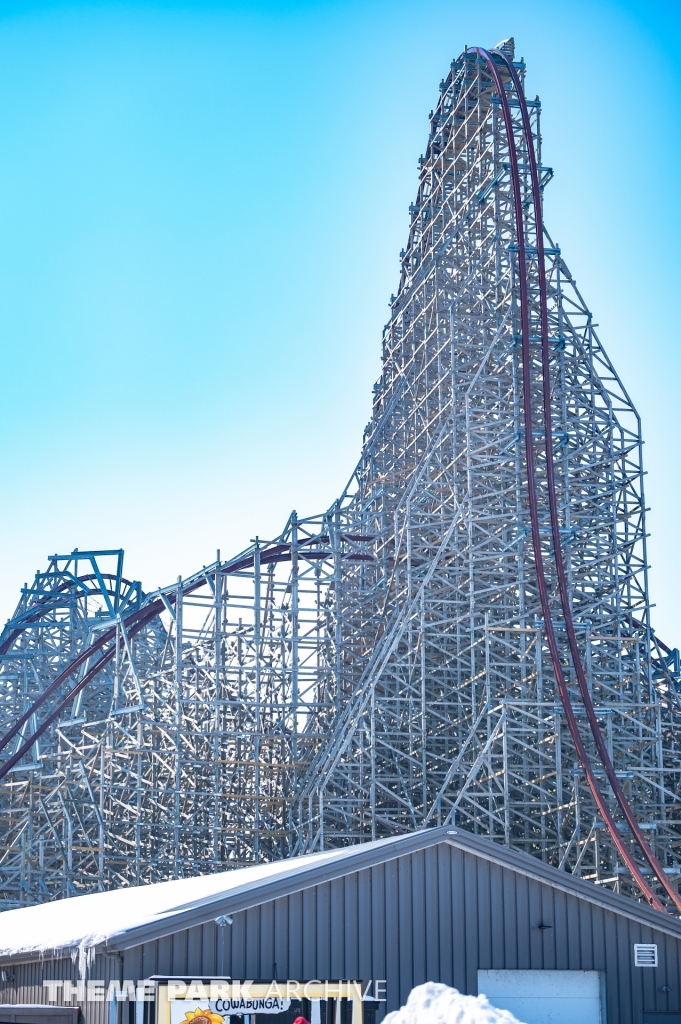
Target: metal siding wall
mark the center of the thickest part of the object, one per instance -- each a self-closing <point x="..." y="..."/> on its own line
<point x="497" y="911"/>
<point x="467" y="878"/>
<point x="266" y="937"/>
<point x="435" y="915"/>
<point x="405" y="930"/>
<point x="27" y="986"/>
<point x="163" y="962"/>
<point x="572" y="922"/>
<point x="418" y="944"/>
<point x="516" y="921"/>
<point x="533" y="935"/>
<point x="195" y="965"/>
<point x="453" y="935"/>
<point x="670" y="961"/>
<point x="251" y="942"/>
<point x="351" y="927"/>
<point x="180" y="960"/>
<point x="365" y="929"/>
<point x="377" y="924"/>
<point x="439" y="958"/>
<point x="430" y="910"/>
<point x="209" y="940"/>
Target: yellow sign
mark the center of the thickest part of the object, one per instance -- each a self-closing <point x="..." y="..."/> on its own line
<point x="211" y="1002"/>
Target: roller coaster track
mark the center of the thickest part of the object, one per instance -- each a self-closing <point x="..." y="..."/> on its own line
<point x="132" y="624"/>
<point x="492" y="57"/>
<point x="316" y="667"/>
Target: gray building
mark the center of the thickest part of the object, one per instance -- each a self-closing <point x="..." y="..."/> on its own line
<point x="438" y="905"/>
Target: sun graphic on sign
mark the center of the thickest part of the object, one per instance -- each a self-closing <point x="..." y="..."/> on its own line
<point x="199" y="1016"/>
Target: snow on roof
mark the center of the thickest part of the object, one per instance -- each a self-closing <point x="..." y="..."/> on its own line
<point x="82" y="922"/>
<point x="124" y="917"/>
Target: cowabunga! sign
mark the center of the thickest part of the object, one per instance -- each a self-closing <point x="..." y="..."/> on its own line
<point x="215" y="1002"/>
<point x="215" y="1011"/>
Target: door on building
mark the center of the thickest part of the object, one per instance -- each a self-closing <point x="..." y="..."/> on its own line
<point x="546" y="997"/>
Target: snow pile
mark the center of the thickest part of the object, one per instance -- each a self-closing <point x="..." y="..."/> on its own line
<point x="438" y="1004"/>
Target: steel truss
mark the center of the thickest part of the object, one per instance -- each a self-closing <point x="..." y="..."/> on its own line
<point x="463" y="638"/>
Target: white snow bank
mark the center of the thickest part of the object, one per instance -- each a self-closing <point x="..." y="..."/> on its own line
<point x="438" y="1004"/>
<point x="81" y="922"/>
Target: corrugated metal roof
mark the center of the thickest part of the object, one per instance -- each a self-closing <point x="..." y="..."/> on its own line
<point x="123" y="918"/>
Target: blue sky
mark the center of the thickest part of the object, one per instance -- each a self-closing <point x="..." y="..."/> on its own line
<point x="201" y="210"/>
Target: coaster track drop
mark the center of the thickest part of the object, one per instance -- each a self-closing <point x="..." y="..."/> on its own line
<point x="463" y="638"/>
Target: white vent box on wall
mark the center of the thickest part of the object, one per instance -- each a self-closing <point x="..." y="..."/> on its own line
<point x="645" y="954"/>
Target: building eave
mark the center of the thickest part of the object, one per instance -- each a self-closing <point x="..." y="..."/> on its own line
<point x="298" y="876"/>
<point x="359" y="858"/>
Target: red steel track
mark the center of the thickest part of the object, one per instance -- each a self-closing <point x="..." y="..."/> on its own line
<point x="495" y="60"/>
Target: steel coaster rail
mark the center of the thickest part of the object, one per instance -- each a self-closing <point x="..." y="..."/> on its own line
<point x="620" y="796"/>
<point x="46" y="604"/>
<point x="73" y="692"/>
<point x="133" y="623"/>
<point x="42" y="608"/>
<point x="134" y="627"/>
<point x="490" y="59"/>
